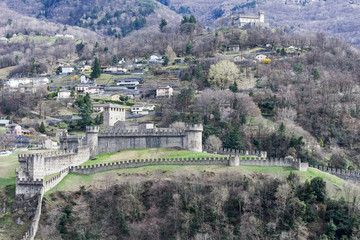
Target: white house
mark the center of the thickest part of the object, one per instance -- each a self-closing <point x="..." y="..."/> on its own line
<point x="239" y="59"/>
<point x="142" y="109"/>
<point x="16" y="82"/>
<point x="4" y="122"/>
<point x="99" y="107"/>
<point x="91" y="89"/>
<point x="64" y="93"/>
<point x="164" y="92"/>
<point x="127" y="83"/>
<point x="67" y="69"/>
<point x="14" y="129"/>
<point x="156" y="59"/>
<point x="84" y="79"/>
<point x="260" y="57"/>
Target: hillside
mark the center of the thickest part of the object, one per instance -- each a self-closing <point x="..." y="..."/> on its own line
<point x="198" y="202"/>
<point x="111" y="18"/>
<point x="336" y="18"/>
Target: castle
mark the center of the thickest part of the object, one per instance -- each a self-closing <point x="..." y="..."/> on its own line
<point x="33" y="178"/>
<point x="241" y="21"/>
<point x="117" y="135"/>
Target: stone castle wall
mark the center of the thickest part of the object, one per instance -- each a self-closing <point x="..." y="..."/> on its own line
<point x="232" y="161"/>
<point x="34" y="167"/>
<point x="114" y="141"/>
<point x="341" y="173"/>
<point x="31" y="233"/>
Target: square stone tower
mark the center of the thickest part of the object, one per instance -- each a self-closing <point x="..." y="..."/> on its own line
<point x="112" y="114"/>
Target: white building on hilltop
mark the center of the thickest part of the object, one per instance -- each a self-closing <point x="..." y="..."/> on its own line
<point x="249" y="20"/>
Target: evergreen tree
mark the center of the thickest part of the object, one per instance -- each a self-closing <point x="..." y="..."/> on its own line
<point x="316" y="73"/>
<point x="282" y="129"/>
<point x="85" y="112"/>
<point x="283" y="52"/>
<point x="114" y="61"/>
<point x="185" y="20"/>
<point x="188" y="48"/>
<point x="234" y="87"/>
<point x="42" y="128"/>
<point x="199" y="72"/>
<point x="192" y="19"/>
<point x="96" y="70"/>
<point x="162" y="25"/>
<point x="234" y="140"/>
<point x="166" y="59"/>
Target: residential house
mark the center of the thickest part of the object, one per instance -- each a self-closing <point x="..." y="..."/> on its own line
<point x="4" y="122"/>
<point x="91" y="89"/>
<point x="16" y="82"/>
<point x="127" y="82"/>
<point x="156" y="59"/>
<point x="142" y="109"/>
<point x="67" y="69"/>
<point x="64" y="93"/>
<point x="14" y="129"/>
<point x="233" y="48"/>
<point x="164" y="92"/>
<point x="84" y="79"/>
<point x="51" y="144"/>
<point x="238" y="59"/>
<point x="113" y="70"/>
<point x="122" y="61"/>
<point x="260" y="57"/>
<point x="99" y="107"/>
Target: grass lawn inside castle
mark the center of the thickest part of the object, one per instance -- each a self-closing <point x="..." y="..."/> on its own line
<point x="146" y="153"/>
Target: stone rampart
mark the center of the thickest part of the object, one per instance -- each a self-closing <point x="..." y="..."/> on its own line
<point x="347" y="175"/>
<point x="273" y="162"/>
<point x="149" y="162"/>
<point x="141" y="133"/>
<point x="49" y="184"/>
<point x="113" y="142"/>
<point x="34" y="167"/>
<point x="236" y="152"/>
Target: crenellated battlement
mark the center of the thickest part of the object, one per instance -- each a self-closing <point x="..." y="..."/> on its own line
<point x="24" y="157"/>
<point x="23" y="181"/>
<point x="92" y="129"/>
<point x="142" y="133"/>
<point x="237" y="152"/>
<point x="146" y="162"/>
<point x="194" y="127"/>
<point x="341" y="173"/>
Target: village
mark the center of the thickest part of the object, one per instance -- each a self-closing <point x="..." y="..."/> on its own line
<point x="130" y="83"/>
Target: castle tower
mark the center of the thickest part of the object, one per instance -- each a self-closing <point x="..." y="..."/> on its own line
<point x="92" y="139"/>
<point x="262" y="16"/>
<point x="193" y="140"/>
<point x="112" y="114"/>
<point x="36" y="166"/>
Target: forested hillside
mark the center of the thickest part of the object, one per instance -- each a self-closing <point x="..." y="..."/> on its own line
<point x="336" y="18"/>
<point x="111" y="18"/>
<point x="202" y="206"/>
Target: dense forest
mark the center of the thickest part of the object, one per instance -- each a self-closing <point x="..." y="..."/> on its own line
<point x="227" y="206"/>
